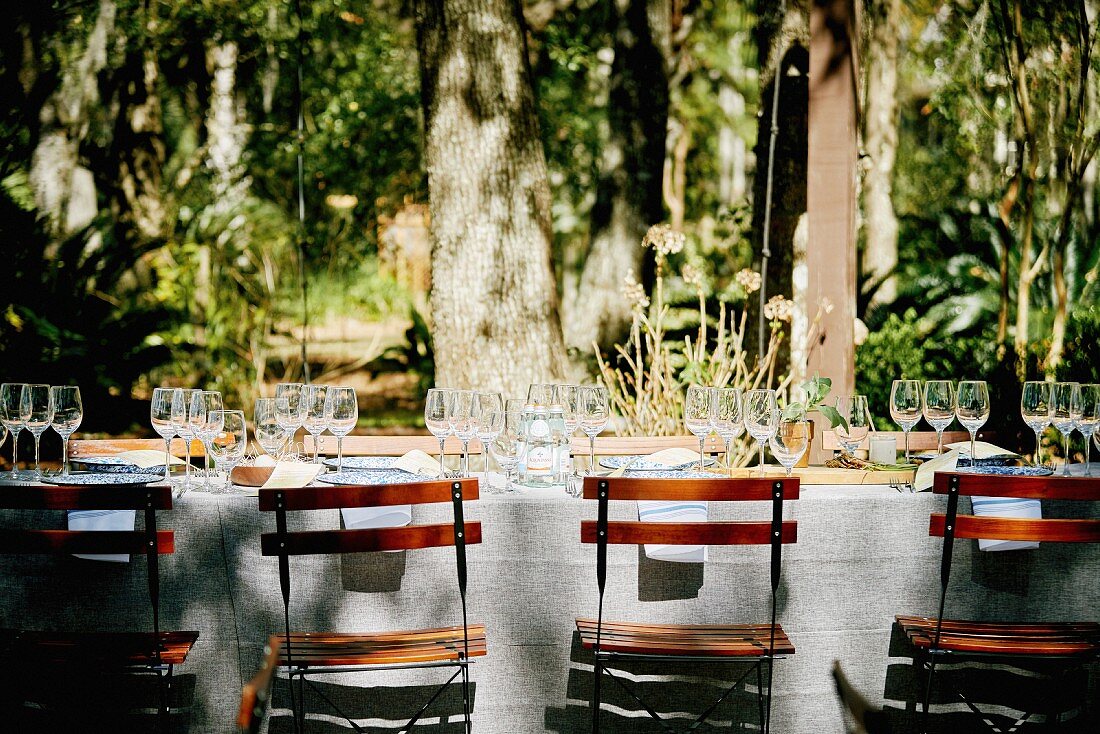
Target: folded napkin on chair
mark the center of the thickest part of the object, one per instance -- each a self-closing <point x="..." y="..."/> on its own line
<point x="663" y="511"/>
<point x="358" y="518"/>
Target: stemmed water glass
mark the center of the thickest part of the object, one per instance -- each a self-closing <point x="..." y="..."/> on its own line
<point x="67" y="415"/>
<point x="265" y="425"/>
<point x="210" y="408"/>
<point x="11" y="394"/>
<point x="540" y="393"/>
<point x="789" y="443"/>
<point x="1089" y="421"/>
<point x="857" y="425"/>
<point x="972" y="410"/>
<point x="288" y="407"/>
<point x="36" y="411"/>
<point x="491" y="410"/>
<point x="595" y="412"/>
<point x="465" y="411"/>
<point x="1037" y="410"/>
<point x="939" y="407"/>
<point x="699" y="415"/>
<point x="437" y="412"/>
<point x="160" y="415"/>
<point x="569" y="398"/>
<point x="507" y="445"/>
<point x="905" y="407"/>
<point x="761" y="418"/>
<point x="1066" y="398"/>
<point x="729" y="418"/>
<point x="341" y="415"/>
<point x="313" y="415"/>
<point x="184" y="428"/>
<point x="229" y="444"/>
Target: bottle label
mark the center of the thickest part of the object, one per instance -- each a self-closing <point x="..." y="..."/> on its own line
<point x="540" y="429"/>
<point x="540" y="459"/>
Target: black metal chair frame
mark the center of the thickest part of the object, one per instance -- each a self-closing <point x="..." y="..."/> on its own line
<point x="300" y="670"/>
<point x="926" y="660"/>
<point x="604" y="658"/>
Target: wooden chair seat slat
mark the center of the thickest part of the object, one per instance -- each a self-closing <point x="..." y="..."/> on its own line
<point x="100" y="649"/>
<point x="383" y="648"/>
<point x="623" y="532"/>
<point x="66" y="542"/>
<point x="1047" y="530"/>
<point x="410" y="537"/>
<point x="685" y="640"/>
<point x="50" y="497"/>
<point x="718" y="489"/>
<point x="1011" y="638"/>
<point x="343" y="496"/>
<point x="1040" y="488"/>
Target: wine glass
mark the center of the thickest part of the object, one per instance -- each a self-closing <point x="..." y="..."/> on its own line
<point x="1066" y="399"/>
<point x="211" y="408"/>
<point x="184" y="429"/>
<point x="67" y="415"/>
<point x="972" y="410"/>
<point x="569" y="398"/>
<point x="465" y="412"/>
<point x="437" y="411"/>
<point x="905" y="407"/>
<point x="699" y="415"/>
<point x="491" y="410"/>
<point x="341" y="415"/>
<point x="854" y="411"/>
<point x="160" y="415"/>
<point x="313" y="415"/>
<point x="1037" y="410"/>
<point x="289" y="407"/>
<point x="729" y="419"/>
<point x="540" y="393"/>
<point x="507" y="446"/>
<point x="790" y="442"/>
<point x="761" y="418"/>
<point x="36" y="411"/>
<point x="1089" y="421"/>
<point x="595" y="413"/>
<point x="229" y="444"/>
<point x="11" y="393"/>
<point x="939" y="407"/>
<point x="265" y="425"/>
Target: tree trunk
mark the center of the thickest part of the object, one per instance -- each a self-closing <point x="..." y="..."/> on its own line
<point x="629" y="193"/>
<point x="494" y="301"/>
<point x="881" y="138"/>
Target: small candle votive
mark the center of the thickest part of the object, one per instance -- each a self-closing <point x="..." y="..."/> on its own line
<point x="884" y="450"/>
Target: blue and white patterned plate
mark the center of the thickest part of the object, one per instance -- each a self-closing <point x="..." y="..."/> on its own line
<point x="363" y="463"/>
<point x="670" y="474"/>
<point x="1005" y="460"/>
<point x="115" y="465"/>
<point x="638" y="462"/>
<point x="104" y="479"/>
<point x="1007" y="471"/>
<point x="369" y="477"/>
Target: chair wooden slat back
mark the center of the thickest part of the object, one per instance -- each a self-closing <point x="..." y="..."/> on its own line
<point x="83" y="448"/>
<point x="918" y="440"/>
<point x="256" y="693"/>
<point x="605" y="445"/>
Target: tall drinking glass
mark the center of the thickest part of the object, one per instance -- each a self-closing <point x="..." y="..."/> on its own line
<point x="229" y="445"/>
<point x="972" y="410"/>
<point x="761" y="418"/>
<point x="854" y="411"/>
<point x="211" y="408"/>
<point x="68" y="412"/>
<point x="35" y="410"/>
<point x="1066" y="398"/>
<point x="11" y="394"/>
<point x="569" y="398"/>
<point x="699" y="415"/>
<point x="265" y="425"/>
<point x="540" y="393"/>
<point x="313" y="415"/>
<point x="507" y="446"/>
<point x="1037" y="410"/>
<point x="184" y="428"/>
<point x="905" y="407"/>
<point x="729" y="418"/>
<point x="489" y="403"/>
<point x="939" y="407"/>
<point x="289" y="407"/>
<point x="160" y="415"/>
<point x="1089" y="421"/>
<point x="464" y="422"/>
<point x="790" y="442"/>
<point x="342" y="413"/>
<point x="595" y="413"/>
<point x="437" y="412"/>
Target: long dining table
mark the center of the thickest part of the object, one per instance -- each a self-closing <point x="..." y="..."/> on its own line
<point x="863" y="555"/>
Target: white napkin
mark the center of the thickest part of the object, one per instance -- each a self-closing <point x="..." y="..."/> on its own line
<point x="104" y="520"/>
<point x="664" y="511"/>
<point x="292" y="474"/>
<point x="358" y="518"/>
<point x="982" y="450"/>
<point x="148" y="458"/>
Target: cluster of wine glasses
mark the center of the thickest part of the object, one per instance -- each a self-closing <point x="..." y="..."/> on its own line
<point x="464" y="414"/>
<point x="717" y="410"/>
<point x="729" y="412"/>
<point x="35" y="408"/>
<point x="1069" y="406"/>
<point x="196" y="414"/>
<point x="940" y="402"/>
<point x="316" y="408"/>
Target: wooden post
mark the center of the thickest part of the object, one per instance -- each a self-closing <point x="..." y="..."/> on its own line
<point x="831" y="193"/>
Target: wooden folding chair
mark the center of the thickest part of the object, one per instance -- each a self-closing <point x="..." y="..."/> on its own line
<point x="1068" y="645"/>
<point x="89" y="651"/>
<point x="691" y="644"/>
<point x="256" y="693"/>
<point x="333" y="652"/>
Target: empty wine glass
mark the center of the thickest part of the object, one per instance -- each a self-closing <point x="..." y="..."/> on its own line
<point x="313" y="415"/>
<point x="540" y="393"/>
<point x="905" y="407"/>
<point x="464" y="422"/>
<point x="68" y="412"/>
<point x="595" y="413"/>
<point x="1037" y="410"/>
<point x="35" y="410"/>
<point x="341" y="414"/>
<point x="507" y="446"/>
<point x="972" y="410"/>
<point x="184" y="429"/>
<point x="160" y="416"/>
<point x="211" y="408"/>
<point x="569" y="398"/>
<point x="491" y="410"/>
<point x="1066" y="398"/>
<point x="790" y="442"/>
<point x="265" y="425"/>
<point x="437" y="412"/>
<point x="699" y="415"/>
<point x="11" y="394"/>
<point x="939" y="407"/>
<point x="289" y="407"/>
<point x="729" y="419"/>
<point x="854" y="412"/>
<point x="229" y="445"/>
<point x="761" y="418"/>
<point x="1089" y="421"/>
